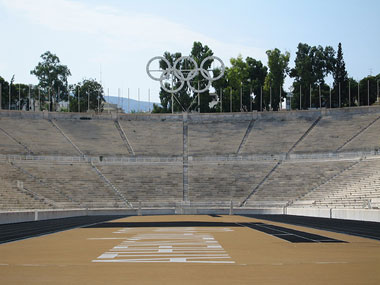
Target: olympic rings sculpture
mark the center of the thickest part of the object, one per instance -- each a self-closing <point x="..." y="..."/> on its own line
<point x="183" y="77"/>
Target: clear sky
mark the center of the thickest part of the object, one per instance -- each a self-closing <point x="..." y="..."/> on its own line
<point x="119" y="37"/>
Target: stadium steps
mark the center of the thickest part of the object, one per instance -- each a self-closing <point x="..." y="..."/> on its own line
<point x="275" y="135"/>
<point x="355" y="187"/>
<point x="13" y="198"/>
<point x="286" y="197"/>
<point x="124" y="137"/>
<point x="333" y="131"/>
<point x="225" y="180"/>
<point x="357" y="134"/>
<point x="304" y="135"/>
<point x="154" y="137"/>
<point x="308" y="195"/>
<point x="46" y="190"/>
<point x="94" y="137"/>
<point x="255" y="189"/>
<point x="146" y="182"/>
<point x="215" y="138"/>
<point x="78" y="180"/>
<point x="66" y="137"/>
<point x="248" y="131"/>
<point x="9" y="146"/>
<point x="38" y="135"/>
<point x="113" y="187"/>
<point x="16" y="141"/>
<point x="39" y="197"/>
<point x="185" y="160"/>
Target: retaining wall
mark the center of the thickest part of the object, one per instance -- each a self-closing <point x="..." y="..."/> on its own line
<point x="345" y="214"/>
<point x="195" y="117"/>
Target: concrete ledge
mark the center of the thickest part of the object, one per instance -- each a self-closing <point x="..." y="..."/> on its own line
<point x="309" y="212"/>
<point x="195" y="117"/>
<point x="369" y="215"/>
<point x="58" y="214"/>
<point x="124" y="160"/>
<point x="357" y="214"/>
<point x="372" y="215"/>
<point x="16" y="217"/>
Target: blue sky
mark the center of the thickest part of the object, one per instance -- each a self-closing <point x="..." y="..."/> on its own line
<point x="119" y="37"/>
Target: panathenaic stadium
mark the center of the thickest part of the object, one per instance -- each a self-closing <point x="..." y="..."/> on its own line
<point x="287" y="197"/>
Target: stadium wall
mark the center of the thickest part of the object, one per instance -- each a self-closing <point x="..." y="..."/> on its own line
<point x="354" y="214"/>
<point x="372" y="215"/>
<point x="209" y="117"/>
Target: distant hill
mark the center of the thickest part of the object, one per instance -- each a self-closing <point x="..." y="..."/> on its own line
<point x="134" y="105"/>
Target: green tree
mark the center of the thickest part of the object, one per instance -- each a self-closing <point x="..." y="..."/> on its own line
<point x="185" y="98"/>
<point x="52" y="77"/>
<point x="237" y="77"/>
<point x="165" y="97"/>
<point x="89" y="91"/>
<point x="312" y="65"/>
<point x="4" y="93"/>
<point x="21" y="94"/>
<point x="5" y="86"/>
<point x="353" y="86"/>
<point x="245" y="77"/>
<point x="257" y="73"/>
<point x="340" y="79"/>
<point x="278" y="69"/>
<point x="368" y="96"/>
<point x="199" y="52"/>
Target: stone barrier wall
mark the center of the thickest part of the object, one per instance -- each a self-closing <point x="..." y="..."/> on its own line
<point x="195" y="117"/>
<point x="372" y="215"/>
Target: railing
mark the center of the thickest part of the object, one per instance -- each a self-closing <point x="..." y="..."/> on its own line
<point x="374" y="154"/>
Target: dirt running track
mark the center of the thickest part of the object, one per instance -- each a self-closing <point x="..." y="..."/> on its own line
<point x="191" y="250"/>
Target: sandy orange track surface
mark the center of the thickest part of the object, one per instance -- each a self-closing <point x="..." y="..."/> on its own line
<point x="161" y="255"/>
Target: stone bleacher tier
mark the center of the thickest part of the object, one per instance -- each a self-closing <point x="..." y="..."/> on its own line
<point x="317" y="158"/>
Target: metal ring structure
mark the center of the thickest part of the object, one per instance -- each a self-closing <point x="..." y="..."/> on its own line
<point x="150" y="62"/>
<point x="166" y="75"/>
<point x="189" y="75"/>
<point x="179" y="74"/>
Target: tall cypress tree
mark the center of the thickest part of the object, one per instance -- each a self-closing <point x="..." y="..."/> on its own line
<point x="340" y="76"/>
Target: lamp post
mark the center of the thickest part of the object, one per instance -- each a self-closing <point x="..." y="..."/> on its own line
<point x="368" y="90"/>
<point x="19" y="97"/>
<point x="358" y="93"/>
<point x="221" y="100"/>
<point x="138" y="94"/>
<point x="251" y="99"/>
<point x="349" y="93"/>
<point x="149" y="99"/>
<point x="29" y="105"/>
<point x="270" y="97"/>
<point x="290" y="96"/>
<point x="300" y="97"/>
<point x="339" y="96"/>
<point x="98" y="101"/>
<point x="128" y="101"/>
<point x="49" y="100"/>
<point x="310" y="97"/>
<point x="68" y="101"/>
<point x="9" y="103"/>
<point x="231" y="100"/>
<point x="330" y="95"/>
<point x="78" y="99"/>
<point x="241" y="97"/>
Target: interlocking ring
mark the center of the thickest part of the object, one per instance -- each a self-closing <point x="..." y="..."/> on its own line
<point x="185" y="75"/>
